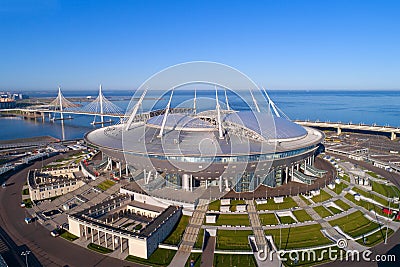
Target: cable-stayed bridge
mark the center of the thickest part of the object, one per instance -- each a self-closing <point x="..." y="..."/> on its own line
<point x="62" y="109"/>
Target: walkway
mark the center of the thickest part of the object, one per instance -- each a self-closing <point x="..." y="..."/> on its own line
<point x="190" y="235"/>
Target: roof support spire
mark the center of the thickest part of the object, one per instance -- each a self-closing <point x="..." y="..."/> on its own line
<point x="226" y="100"/>
<point x="271" y="104"/>
<point x="218" y="108"/>
<point x="255" y="101"/>
<point x="135" y="110"/>
<point x="194" y="101"/>
<point x="166" y="114"/>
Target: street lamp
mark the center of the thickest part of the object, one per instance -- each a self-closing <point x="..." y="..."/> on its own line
<point x="26" y="253"/>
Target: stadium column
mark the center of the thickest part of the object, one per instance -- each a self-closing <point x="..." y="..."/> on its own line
<point x="393" y="136"/>
<point x="339" y="130"/>
<point x="286" y="174"/>
<point x="292" y="171"/>
<point x="220" y="184"/>
<point x="186" y="182"/>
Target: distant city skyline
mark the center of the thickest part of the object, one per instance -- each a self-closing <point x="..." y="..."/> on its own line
<point x="282" y="45"/>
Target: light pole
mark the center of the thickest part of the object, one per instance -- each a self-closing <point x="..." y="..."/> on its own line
<point x="387" y="223"/>
<point x="26" y="253"/>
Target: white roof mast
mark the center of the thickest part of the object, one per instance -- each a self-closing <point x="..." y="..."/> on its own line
<point x="218" y="108"/>
<point x="271" y="103"/>
<point x="135" y="110"/>
<point x="166" y="114"/>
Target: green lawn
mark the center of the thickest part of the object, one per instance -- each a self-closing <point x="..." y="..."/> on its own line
<point x="288" y="203"/>
<point x="299" y="237"/>
<point x="345" y="177"/>
<point x="233" y="239"/>
<point x="286" y="220"/>
<point x="25" y="191"/>
<point x="160" y="257"/>
<point x="386" y="190"/>
<point x="372" y="174"/>
<point x="371" y="196"/>
<point x="342" y="204"/>
<point x="355" y="224"/>
<point x="365" y="204"/>
<point x="215" y="205"/>
<point x="375" y="238"/>
<point x="199" y="241"/>
<point x="334" y="210"/>
<point x="322" y="211"/>
<point x="175" y="237"/>
<point x="339" y="188"/>
<point x="98" y="248"/>
<point x="105" y="185"/>
<point x="223" y="260"/>
<point x="268" y="219"/>
<point x="302" y="215"/>
<point x="321" y="197"/>
<point x="68" y="236"/>
<point x="233" y="219"/>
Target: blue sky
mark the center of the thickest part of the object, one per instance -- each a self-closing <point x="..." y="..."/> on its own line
<point x="280" y="44"/>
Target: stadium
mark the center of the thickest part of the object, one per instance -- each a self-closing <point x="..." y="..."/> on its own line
<point x="205" y="146"/>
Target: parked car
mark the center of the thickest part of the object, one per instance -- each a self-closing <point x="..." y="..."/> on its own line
<point x="55" y="233"/>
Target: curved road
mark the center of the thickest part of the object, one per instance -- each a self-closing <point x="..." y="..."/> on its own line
<point x="48" y="250"/>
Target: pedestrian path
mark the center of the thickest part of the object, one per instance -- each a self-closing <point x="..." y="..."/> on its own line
<point x="190" y="235"/>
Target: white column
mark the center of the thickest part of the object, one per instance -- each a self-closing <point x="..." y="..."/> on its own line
<point x="120" y="168"/>
<point x="101" y="105"/>
<point x="113" y="242"/>
<point x="121" y="244"/>
<point x="292" y="170"/>
<point x="220" y="184"/>
<point x="287" y="174"/>
<point x="185" y="182"/>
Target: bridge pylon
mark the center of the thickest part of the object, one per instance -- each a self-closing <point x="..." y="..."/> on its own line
<point x="102" y="106"/>
<point x="60" y="103"/>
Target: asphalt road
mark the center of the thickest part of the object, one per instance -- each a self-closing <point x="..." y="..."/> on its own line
<point x="49" y="251"/>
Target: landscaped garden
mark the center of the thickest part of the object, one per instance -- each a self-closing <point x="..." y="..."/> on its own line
<point x="105" y="185"/>
<point x="233" y="239"/>
<point x="233" y="219"/>
<point x="302" y="215"/>
<point x="298" y="237"/>
<point x="268" y="219"/>
<point x="355" y="224"/>
<point x="322" y="211"/>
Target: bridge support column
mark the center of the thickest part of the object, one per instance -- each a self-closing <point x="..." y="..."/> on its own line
<point x="339" y="130"/>
<point x="393" y="136"/>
